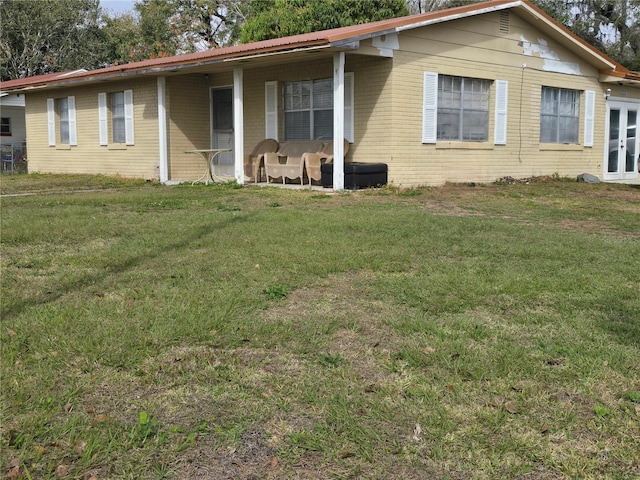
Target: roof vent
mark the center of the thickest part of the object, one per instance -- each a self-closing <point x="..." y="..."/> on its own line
<point x="503" y="24"/>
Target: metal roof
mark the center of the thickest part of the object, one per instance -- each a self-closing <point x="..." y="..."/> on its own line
<point x="337" y="39"/>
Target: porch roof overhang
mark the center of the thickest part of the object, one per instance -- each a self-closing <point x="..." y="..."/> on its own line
<point x="627" y="78"/>
<point x="177" y="65"/>
<point x="323" y="43"/>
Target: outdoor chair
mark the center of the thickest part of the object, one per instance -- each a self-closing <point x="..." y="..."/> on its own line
<point x="313" y="161"/>
<point x="287" y="161"/>
<point x="254" y="162"/>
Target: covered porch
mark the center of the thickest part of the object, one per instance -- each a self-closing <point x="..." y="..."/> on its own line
<point x="228" y="108"/>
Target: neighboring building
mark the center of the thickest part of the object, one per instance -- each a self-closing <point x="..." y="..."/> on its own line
<point x="466" y="94"/>
<point x="13" y="132"/>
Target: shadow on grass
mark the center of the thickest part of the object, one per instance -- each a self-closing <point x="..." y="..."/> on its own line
<point x="80" y="283"/>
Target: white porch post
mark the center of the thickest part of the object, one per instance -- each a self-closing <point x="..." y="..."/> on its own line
<point x="338" y="121"/>
<point x="162" y="130"/>
<point x="238" y="125"/>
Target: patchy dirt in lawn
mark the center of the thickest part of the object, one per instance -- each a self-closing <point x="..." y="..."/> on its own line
<point x="251" y="457"/>
<point x="590" y="226"/>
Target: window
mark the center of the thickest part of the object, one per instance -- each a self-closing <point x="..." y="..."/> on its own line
<point x="115" y="110"/>
<point x="63" y="118"/>
<point x="5" y="126"/>
<point x="463" y="109"/>
<point x="308" y="109"/>
<point x="457" y="109"/>
<point x="117" y="117"/>
<point x="559" y="115"/>
<point x="61" y="121"/>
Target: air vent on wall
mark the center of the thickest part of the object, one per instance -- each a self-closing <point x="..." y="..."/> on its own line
<point x="504" y="22"/>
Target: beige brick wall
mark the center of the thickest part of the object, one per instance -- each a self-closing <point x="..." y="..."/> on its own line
<point x="140" y="160"/>
<point x="373" y="104"/>
<point x="188" y="115"/>
<point x="475" y="48"/>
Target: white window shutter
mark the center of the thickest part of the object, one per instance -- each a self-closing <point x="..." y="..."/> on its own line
<point x="348" y="107"/>
<point x="271" y="110"/>
<point x="128" y="117"/>
<point x="51" y="121"/>
<point x="500" y="128"/>
<point x="430" y="108"/>
<point x="589" y="117"/>
<point x="73" y="135"/>
<point x="102" y="118"/>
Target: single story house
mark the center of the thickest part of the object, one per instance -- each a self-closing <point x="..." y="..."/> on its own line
<point x="467" y="94"/>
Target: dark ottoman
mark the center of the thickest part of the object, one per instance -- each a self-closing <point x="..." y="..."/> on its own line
<point x="356" y="175"/>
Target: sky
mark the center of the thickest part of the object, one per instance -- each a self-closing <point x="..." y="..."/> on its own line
<point x="117" y="6"/>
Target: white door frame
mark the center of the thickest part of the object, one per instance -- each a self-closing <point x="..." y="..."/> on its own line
<point x="623" y="105"/>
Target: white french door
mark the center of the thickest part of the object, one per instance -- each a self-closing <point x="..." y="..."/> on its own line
<point x="621" y="155"/>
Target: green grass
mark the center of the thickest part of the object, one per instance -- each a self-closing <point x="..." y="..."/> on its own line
<point x="488" y="332"/>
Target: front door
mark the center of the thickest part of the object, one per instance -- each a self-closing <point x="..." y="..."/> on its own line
<point x="222" y="130"/>
<point x="621" y="158"/>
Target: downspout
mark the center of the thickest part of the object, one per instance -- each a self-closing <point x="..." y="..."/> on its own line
<point x="163" y="139"/>
<point x="238" y="125"/>
<point x="338" y="121"/>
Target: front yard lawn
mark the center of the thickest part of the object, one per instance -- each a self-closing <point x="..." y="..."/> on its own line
<point x="189" y="332"/>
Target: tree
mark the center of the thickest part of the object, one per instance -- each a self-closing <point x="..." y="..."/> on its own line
<point x="210" y="23"/>
<point x="423" y="6"/>
<point x="611" y="25"/>
<point x="49" y="36"/>
<point x="122" y="38"/>
<point x="280" y="18"/>
<point x="170" y="27"/>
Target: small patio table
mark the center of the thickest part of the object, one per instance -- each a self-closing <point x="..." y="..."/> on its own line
<point x="209" y="155"/>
